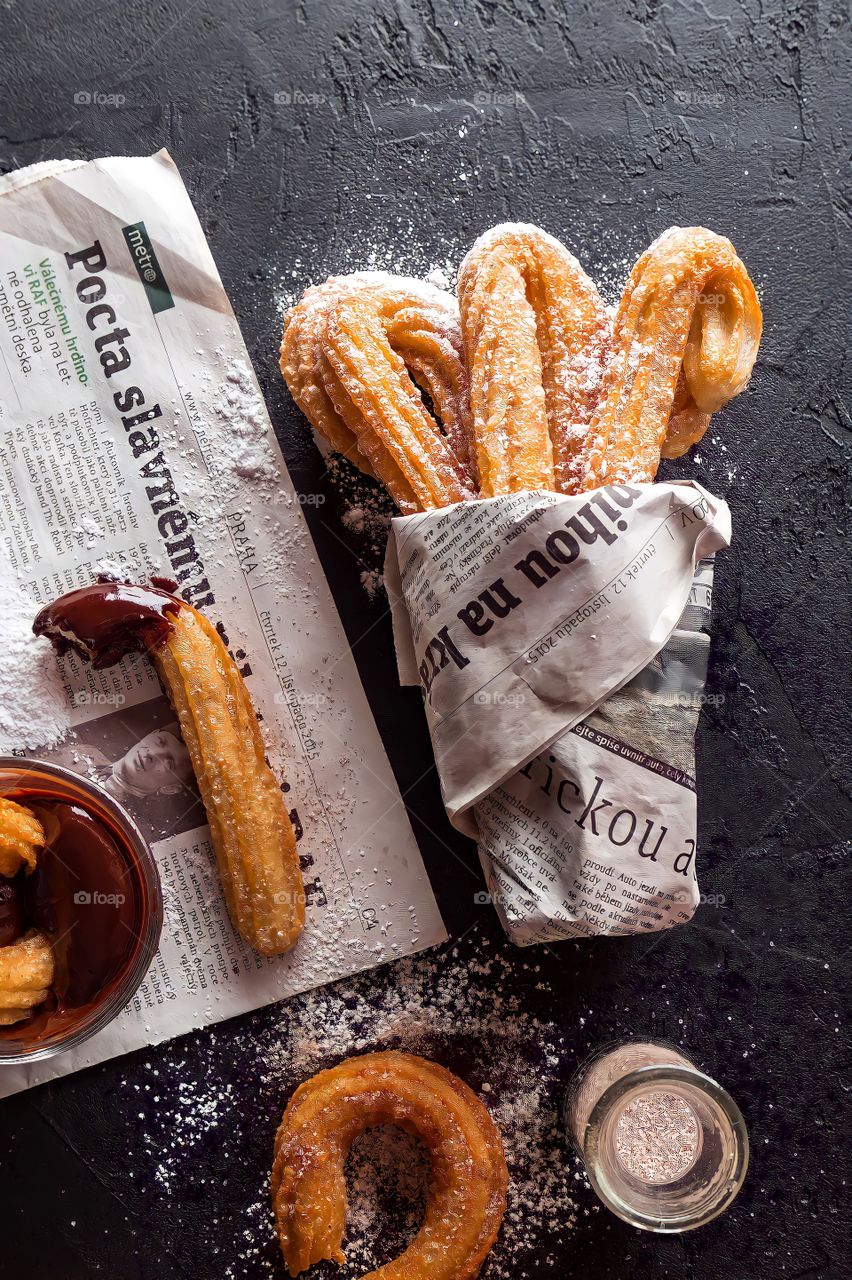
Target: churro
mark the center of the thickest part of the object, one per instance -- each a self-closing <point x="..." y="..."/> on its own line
<point x="26" y="974"/>
<point x="21" y="837"/>
<point x="467" y="1192"/>
<point x="358" y="352"/>
<point x="250" y="828"/>
<point x="537" y="388"/>
<point x="537" y="339"/>
<point x="686" y="424"/>
<point x="688" y="306"/>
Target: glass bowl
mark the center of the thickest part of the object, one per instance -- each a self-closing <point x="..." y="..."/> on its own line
<point x="43" y="1035"/>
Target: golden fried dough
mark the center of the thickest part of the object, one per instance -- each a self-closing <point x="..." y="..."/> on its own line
<point x="537" y="339"/>
<point x="467" y="1192"/>
<point x="21" y="836"/>
<point x="688" y="306"/>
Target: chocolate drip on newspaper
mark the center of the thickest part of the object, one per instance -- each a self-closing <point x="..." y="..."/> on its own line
<point x="108" y="619"/>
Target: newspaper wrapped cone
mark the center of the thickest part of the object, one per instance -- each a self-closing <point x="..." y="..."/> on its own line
<point x="559" y="644"/>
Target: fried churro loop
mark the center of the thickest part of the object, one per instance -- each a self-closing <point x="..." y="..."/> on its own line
<point x="356" y="353"/>
<point x="467" y="1193"/>
<point x="302" y="366"/>
<point x="250" y="828"/>
<point x="688" y="306"/>
<point x="21" y="837"/>
<point x="537" y="338"/>
<point x="559" y="398"/>
<point x="26" y="973"/>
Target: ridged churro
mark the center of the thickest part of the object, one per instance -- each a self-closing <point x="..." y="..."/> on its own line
<point x="689" y="309"/>
<point x="357" y="352"/>
<point x="560" y="396"/>
<point x="467" y="1192"/>
<point x="250" y="827"/>
<point x="537" y="339"/>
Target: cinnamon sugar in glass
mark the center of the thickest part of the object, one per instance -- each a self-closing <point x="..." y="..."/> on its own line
<point x="665" y="1147"/>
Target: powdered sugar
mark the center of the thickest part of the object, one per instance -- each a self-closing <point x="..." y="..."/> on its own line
<point x="379" y="264"/>
<point x="368" y="511"/>
<point x="242" y="419"/>
<point x="33" y="706"/>
<point x="240" y="444"/>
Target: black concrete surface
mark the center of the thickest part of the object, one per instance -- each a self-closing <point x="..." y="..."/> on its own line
<point x="410" y="127"/>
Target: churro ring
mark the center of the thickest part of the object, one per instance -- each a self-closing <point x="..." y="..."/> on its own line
<point x="21" y="837"/>
<point x="688" y="308"/>
<point x="250" y="827"/>
<point x="467" y="1194"/>
<point x="537" y="338"/>
<point x="356" y="352"/>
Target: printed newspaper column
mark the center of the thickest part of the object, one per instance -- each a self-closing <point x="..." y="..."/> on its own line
<point x="558" y="643"/>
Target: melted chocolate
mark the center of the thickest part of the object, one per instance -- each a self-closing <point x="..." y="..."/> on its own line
<point x="109" y="619"/>
<point x="82" y="894"/>
<point x="12" y="912"/>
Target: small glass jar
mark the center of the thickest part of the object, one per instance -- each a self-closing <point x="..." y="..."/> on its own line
<point x="665" y="1147"/>
<point x="47" y="1032"/>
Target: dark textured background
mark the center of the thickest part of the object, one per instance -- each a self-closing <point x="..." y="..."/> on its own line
<point x="605" y="123"/>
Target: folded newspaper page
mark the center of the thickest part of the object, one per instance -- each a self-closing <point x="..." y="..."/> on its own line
<point x="559" y="645"/>
<point x="135" y="440"/>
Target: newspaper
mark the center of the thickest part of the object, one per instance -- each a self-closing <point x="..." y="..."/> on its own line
<point x="135" y="438"/>
<point x="559" y="644"/>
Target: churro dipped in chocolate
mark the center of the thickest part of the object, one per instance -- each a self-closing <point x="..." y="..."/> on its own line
<point x="21" y="837"/>
<point x="26" y="974"/>
<point x="26" y="957"/>
<point x="250" y="828"/>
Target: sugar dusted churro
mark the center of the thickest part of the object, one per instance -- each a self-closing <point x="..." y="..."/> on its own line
<point x="357" y="352"/>
<point x="688" y="306"/>
<point x="537" y="338"/>
<point x="559" y="397"/>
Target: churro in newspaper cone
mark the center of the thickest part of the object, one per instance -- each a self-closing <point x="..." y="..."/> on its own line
<point x="688" y="312"/>
<point x="537" y="339"/>
<point x="534" y="386"/>
<point x="358" y="352"/>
